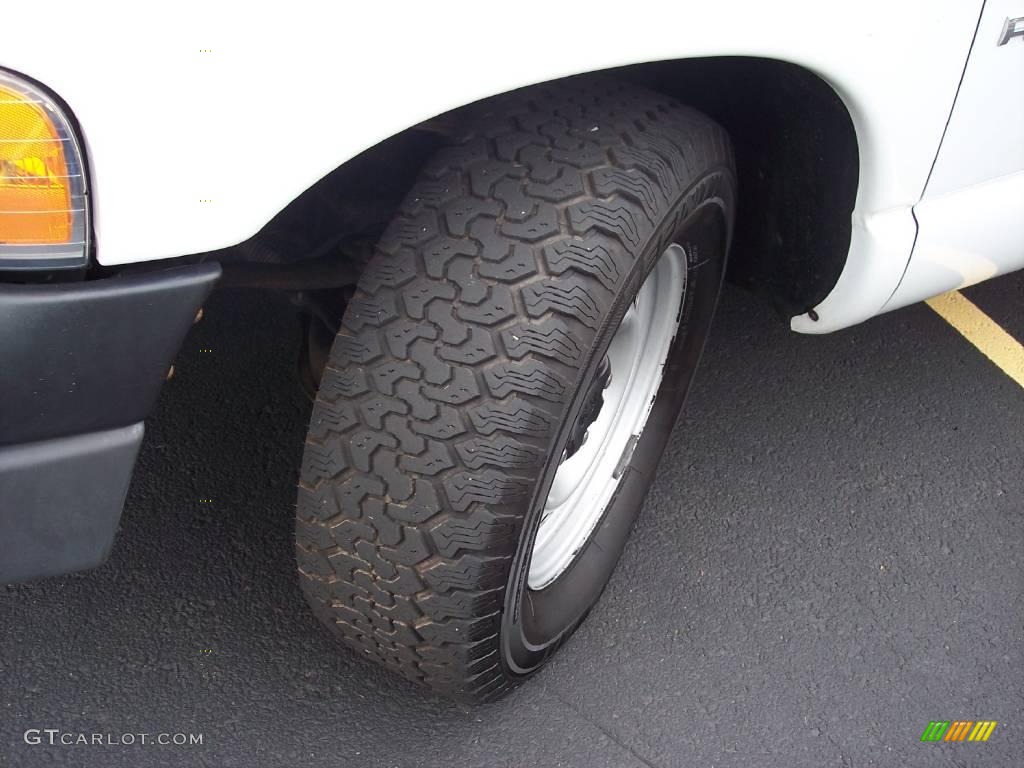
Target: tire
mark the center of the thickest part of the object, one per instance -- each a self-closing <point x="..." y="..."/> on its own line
<point x="465" y="359"/>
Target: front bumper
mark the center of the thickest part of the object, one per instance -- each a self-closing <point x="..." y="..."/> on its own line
<point x="81" y="365"/>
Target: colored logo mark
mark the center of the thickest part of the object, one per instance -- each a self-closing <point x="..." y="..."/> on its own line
<point x="958" y="730"/>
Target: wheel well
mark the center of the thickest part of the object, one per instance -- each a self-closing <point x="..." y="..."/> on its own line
<point x="797" y="164"/>
<point x="796" y="156"/>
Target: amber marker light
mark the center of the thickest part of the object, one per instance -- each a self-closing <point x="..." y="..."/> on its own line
<point x="43" y="211"/>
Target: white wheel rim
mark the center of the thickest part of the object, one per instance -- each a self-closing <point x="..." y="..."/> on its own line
<point x="585" y="482"/>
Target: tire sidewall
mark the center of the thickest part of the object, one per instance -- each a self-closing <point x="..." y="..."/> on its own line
<point x="536" y="622"/>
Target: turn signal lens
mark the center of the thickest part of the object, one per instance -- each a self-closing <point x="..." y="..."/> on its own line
<point x="42" y="187"/>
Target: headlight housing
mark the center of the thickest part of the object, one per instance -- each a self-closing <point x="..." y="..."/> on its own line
<point x="44" y="212"/>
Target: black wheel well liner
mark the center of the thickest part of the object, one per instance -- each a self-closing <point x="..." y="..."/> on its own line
<point x="797" y="164"/>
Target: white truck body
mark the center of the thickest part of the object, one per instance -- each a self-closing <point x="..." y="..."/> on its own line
<point x="204" y="120"/>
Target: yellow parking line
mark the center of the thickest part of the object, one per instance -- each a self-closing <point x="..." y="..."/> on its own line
<point x="983" y="332"/>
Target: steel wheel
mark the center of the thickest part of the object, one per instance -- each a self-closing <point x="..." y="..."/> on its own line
<point x="590" y="470"/>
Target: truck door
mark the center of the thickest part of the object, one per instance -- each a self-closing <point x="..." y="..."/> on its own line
<point x="971" y="216"/>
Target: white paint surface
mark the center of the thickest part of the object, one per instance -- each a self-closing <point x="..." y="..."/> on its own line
<point x="971" y="218"/>
<point x="290" y="91"/>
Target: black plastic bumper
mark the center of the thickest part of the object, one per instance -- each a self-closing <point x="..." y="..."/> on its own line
<point x="80" y="368"/>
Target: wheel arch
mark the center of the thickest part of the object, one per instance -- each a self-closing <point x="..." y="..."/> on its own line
<point x="793" y="228"/>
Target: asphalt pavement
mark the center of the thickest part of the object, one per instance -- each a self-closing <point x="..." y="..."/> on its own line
<point x="831" y="557"/>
